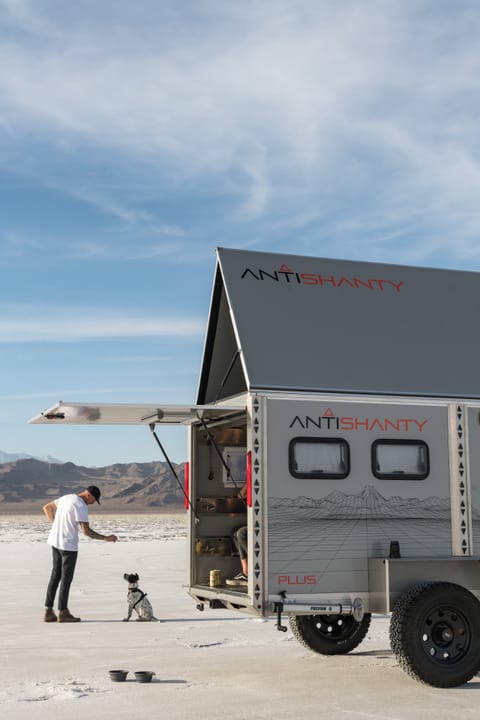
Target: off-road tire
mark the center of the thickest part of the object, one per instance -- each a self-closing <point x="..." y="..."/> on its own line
<point x="329" y="634"/>
<point x="435" y="634"/>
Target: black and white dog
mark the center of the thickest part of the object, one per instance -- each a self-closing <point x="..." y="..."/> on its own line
<point x="137" y="600"/>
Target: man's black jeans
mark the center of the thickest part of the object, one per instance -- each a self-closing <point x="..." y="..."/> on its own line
<point x="64" y="562"/>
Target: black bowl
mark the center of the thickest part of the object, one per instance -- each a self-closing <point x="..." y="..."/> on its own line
<point x="118" y="675"/>
<point x="144" y="676"/>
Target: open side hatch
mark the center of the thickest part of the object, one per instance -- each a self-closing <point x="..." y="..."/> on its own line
<point x="67" y="413"/>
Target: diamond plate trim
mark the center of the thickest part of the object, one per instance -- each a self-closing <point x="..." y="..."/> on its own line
<point x="257" y="491"/>
<point x="459" y="483"/>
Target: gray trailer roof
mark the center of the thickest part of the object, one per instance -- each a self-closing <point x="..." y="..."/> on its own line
<point x="289" y="322"/>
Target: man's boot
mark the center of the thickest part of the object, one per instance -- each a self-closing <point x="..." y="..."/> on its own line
<point x="49" y="615"/>
<point x="65" y="616"/>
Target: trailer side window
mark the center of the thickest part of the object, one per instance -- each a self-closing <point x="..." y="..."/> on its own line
<point x="400" y="459"/>
<point x="319" y="458"/>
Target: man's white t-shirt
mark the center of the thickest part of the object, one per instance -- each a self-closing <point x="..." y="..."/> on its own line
<point x="71" y="510"/>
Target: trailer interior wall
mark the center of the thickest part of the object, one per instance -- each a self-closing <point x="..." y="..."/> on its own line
<point x="218" y="512"/>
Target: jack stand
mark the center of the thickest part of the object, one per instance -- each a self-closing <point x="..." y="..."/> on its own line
<point x="279" y="608"/>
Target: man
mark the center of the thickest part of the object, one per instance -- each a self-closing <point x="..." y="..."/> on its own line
<point x="68" y="514"/>
<point x="240" y="538"/>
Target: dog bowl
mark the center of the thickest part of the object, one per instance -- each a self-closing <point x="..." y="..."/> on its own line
<point x="144" y="676"/>
<point x="118" y="675"/>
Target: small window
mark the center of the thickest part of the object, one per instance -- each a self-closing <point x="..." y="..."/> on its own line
<point x="319" y="458"/>
<point x="400" y="459"/>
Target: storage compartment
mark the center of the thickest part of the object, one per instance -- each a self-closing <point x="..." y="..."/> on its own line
<point x="215" y="546"/>
<point x="218" y="475"/>
<point x="227" y="505"/>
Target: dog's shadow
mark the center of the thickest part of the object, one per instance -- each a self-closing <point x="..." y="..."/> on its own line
<point x="123" y="622"/>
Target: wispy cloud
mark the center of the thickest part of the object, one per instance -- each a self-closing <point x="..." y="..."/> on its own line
<point x="308" y="112"/>
<point x="16" y="244"/>
<point x="37" y="324"/>
<point x="102" y="250"/>
<point x="66" y="394"/>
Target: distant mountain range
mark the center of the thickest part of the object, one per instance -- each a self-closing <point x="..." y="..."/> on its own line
<point x="6" y="457"/>
<point x="27" y="484"/>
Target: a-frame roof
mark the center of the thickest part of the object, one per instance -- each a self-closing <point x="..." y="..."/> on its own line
<point x="289" y="322"/>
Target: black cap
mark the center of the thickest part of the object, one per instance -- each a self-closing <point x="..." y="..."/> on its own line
<point x="93" y="490"/>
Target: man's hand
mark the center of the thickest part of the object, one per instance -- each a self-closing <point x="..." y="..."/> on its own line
<point x="89" y="532"/>
<point x="243" y="492"/>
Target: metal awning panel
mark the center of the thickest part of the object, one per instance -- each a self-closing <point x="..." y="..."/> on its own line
<point x="67" y="413"/>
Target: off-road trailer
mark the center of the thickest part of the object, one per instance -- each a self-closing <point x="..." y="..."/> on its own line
<point x="346" y="396"/>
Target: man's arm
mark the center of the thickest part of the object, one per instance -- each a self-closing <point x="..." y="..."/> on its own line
<point x="50" y="509"/>
<point x="89" y="532"/>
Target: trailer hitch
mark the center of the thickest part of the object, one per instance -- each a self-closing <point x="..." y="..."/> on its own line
<point x="279" y="609"/>
<point x="357" y="609"/>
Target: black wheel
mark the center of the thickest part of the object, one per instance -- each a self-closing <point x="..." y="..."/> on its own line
<point x="435" y="634"/>
<point x="329" y="634"/>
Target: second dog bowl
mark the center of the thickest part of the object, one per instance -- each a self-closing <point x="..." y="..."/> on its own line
<point x="144" y="676"/>
<point x="118" y="675"/>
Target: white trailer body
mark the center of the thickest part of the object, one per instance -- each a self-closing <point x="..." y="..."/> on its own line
<point x="393" y="471"/>
<point x="346" y="395"/>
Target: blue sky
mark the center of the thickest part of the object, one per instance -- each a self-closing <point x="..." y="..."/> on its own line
<point x="135" y="137"/>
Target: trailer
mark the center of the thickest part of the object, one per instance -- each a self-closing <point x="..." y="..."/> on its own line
<point x="345" y="397"/>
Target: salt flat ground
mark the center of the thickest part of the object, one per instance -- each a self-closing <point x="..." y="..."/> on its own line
<point x="215" y="664"/>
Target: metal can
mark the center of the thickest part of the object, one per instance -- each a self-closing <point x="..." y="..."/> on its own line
<point x="215" y="578"/>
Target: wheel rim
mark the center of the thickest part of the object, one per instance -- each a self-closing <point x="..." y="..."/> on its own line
<point x="446" y="635"/>
<point x="334" y="627"/>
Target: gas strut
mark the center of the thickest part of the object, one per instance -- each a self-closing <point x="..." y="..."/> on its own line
<point x="152" y="428"/>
